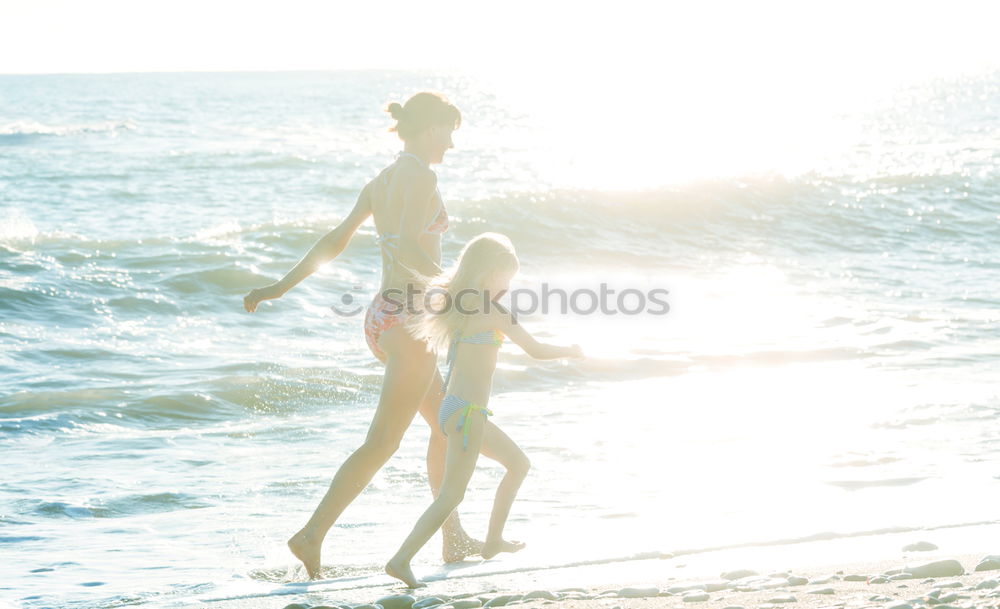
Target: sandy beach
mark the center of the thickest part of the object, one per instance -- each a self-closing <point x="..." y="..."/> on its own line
<point x="934" y="568"/>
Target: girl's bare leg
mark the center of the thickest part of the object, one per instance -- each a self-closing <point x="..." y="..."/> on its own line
<point x="408" y="373"/>
<point x="459" y="465"/>
<point x="499" y="447"/>
<point x="457" y="544"/>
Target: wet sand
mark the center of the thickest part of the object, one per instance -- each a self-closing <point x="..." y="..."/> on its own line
<point x="935" y="568"/>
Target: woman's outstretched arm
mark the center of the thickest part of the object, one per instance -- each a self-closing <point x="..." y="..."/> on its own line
<point x="326" y="249"/>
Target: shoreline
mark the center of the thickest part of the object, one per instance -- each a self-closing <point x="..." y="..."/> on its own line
<point x="844" y="572"/>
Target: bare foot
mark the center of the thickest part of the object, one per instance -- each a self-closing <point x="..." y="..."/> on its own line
<point x="459" y="545"/>
<point x="306" y="548"/>
<point x="401" y="571"/>
<point x="492" y="548"/>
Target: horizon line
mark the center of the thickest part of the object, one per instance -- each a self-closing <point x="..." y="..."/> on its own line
<point x="236" y="71"/>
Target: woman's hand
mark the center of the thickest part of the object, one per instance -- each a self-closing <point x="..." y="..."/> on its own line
<point x="575" y="352"/>
<point x="257" y="295"/>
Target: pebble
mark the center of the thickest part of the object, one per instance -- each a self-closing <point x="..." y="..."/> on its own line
<point x="372" y="606"/>
<point x="920" y="546"/>
<point x="500" y="601"/>
<point x="788" y="598"/>
<point x="540" y="594"/>
<point x="823" y="591"/>
<point x="987" y="584"/>
<point x="947" y="598"/>
<point x="430" y="601"/>
<point x="938" y="568"/>
<point x="880" y="598"/>
<point x="749" y="584"/>
<point x="715" y="586"/>
<point x="688" y="588"/>
<point x="396" y="601"/>
<point x="738" y="574"/>
<point x="855" y="578"/>
<point x="989" y="563"/>
<point x="638" y="592"/>
<point x="296" y="606"/>
<point x="899" y="576"/>
<point x="899" y="606"/>
<point x="734" y="607"/>
<point x="795" y="580"/>
<point x="951" y="584"/>
<point x="878" y="579"/>
<point x="465" y="603"/>
<point x="695" y="597"/>
<point x="819" y="581"/>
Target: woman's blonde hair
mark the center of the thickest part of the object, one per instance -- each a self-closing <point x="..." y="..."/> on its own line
<point x="420" y="112"/>
<point x="481" y="260"/>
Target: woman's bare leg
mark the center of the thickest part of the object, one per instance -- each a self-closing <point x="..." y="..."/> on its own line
<point x="459" y="465"/>
<point x="457" y="544"/>
<point x="407" y="374"/>
<point x="498" y="446"/>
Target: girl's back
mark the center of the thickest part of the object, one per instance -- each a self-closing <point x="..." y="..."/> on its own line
<point x="474" y="362"/>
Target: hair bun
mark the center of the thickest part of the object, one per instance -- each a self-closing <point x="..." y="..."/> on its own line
<point x="395" y="110"/>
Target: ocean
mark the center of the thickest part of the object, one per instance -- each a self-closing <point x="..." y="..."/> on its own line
<point x="827" y="366"/>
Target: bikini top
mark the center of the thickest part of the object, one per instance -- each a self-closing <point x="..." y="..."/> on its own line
<point x="487" y="337"/>
<point x="389" y="242"/>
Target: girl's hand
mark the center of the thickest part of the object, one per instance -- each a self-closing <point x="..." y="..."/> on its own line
<point x="575" y="352"/>
<point x="257" y="295"/>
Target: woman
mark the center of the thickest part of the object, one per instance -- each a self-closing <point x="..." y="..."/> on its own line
<point x="409" y="217"/>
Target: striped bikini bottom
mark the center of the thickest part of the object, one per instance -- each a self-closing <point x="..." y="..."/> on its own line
<point x="452" y="404"/>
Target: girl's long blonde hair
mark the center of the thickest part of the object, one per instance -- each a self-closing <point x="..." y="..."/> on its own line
<point x="482" y="259"/>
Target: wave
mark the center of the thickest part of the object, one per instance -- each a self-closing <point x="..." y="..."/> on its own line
<point x="233" y="392"/>
<point x="17" y="227"/>
<point x="21" y="131"/>
<point x="246" y="160"/>
<point x="117" y="507"/>
<point x="809" y="214"/>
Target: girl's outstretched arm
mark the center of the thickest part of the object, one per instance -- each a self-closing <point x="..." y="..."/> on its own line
<point x="538" y="350"/>
<point x="326" y="249"/>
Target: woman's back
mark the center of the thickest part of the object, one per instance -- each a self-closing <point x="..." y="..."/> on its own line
<point x="387" y="199"/>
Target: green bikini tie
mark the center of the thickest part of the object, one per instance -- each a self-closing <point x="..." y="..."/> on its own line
<point x="466" y="424"/>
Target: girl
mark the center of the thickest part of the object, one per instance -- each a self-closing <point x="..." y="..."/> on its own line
<point x="460" y="314"/>
<point x="410" y="218"/>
